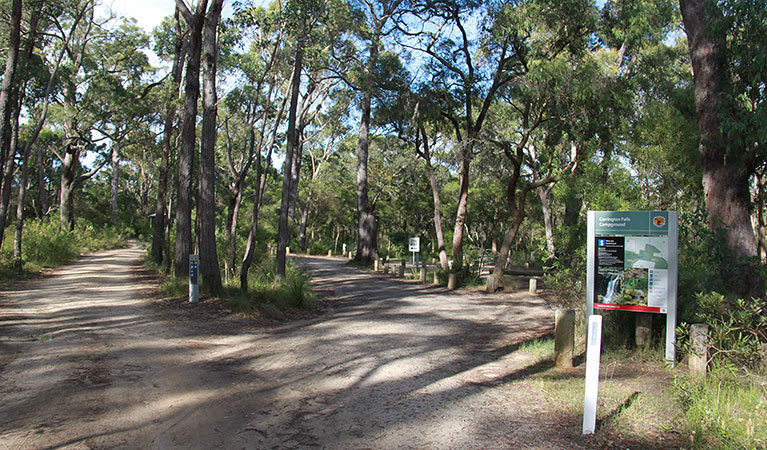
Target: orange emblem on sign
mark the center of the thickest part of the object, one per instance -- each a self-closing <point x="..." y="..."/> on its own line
<point x="659" y="221"/>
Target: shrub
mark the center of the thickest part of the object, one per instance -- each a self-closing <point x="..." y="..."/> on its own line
<point x="737" y="329"/>
<point x="45" y="244"/>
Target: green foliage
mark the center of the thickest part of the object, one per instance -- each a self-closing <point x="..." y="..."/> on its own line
<point x="45" y="244"/>
<point x="266" y="294"/>
<point x="737" y="330"/>
<point x="724" y="410"/>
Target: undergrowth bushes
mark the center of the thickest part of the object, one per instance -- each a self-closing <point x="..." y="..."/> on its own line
<point x="265" y="295"/>
<point x="45" y="244"/>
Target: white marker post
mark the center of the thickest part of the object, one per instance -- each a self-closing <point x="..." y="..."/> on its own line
<point x="194" y="287"/>
<point x="593" y="356"/>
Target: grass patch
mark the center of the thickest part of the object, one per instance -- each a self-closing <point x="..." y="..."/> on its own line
<point x="540" y="348"/>
<point x="636" y="406"/>
<point x="265" y="295"/>
<point x="725" y="410"/>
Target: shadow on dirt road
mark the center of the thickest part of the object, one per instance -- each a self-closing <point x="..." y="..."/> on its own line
<point x="88" y="362"/>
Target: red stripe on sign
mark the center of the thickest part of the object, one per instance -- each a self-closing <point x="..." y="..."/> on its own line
<point x="626" y="307"/>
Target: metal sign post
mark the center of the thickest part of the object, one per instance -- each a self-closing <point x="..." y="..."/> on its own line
<point x="194" y="287"/>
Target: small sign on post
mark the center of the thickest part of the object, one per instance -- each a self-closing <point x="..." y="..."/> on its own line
<point x="414" y="245"/>
<point x="194" y="286"/>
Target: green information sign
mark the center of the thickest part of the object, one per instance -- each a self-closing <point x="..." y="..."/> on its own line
<point x="632" y="264"/>
<point x="621" y="223"/>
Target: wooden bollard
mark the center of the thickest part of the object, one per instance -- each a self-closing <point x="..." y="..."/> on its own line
<point x="436" y="278"/>
<point x="533" y="289"/>
<point x="287" y="250"/>
<point x="330" y="252"/>
<point x="375" y="265"/>
<point x="452" y="282"/>
<point x="402" y="269"/>
<point x="643" y="330"/>
<point x="699" y="357"/>
<point x="422" y="279"/>
<point x="564" y="338"/>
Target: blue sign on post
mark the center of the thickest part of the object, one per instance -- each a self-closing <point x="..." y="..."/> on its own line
<point x="194" y="287"/>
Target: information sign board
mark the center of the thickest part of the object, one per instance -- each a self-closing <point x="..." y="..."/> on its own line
<point x="631" y="260"/>
<point x="632" y="264"/>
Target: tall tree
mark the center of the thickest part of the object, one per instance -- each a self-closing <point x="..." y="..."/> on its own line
<point x="195" y="23"/>
<point x="159" y="244"/>
<point x="206" y="200"/>
<point x="727" y="165"/>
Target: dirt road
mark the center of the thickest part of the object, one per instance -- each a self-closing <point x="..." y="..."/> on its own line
<point x="87" y="361"/>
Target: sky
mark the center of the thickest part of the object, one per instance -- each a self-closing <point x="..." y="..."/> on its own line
<point x="149" y="13"/>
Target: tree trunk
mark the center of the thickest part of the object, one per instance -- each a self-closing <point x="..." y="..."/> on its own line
<point x="7" y="97"/>
<point x="42" y="191"/>
<point x="7" y="186"/>
<point x="283" y="233"/>
<point x="548" y="223"/>
<point x="115" y="182"/>
<point x="250" y="247"/>
<point x="295" y="173"/>
<point x="305" y="219"/>
<point x="725" y="172"/>
<point x="460" y="215"/>
<point x="234" y="212"/>
<point x="188" y="138"/>
<point x="69" y="167"/>
<point x="17" y="255"/>
<point x="159" y="243"/>
<point x="426" y="155"/>
<point x="206" y="206"/>
<point x="367" y="249"/>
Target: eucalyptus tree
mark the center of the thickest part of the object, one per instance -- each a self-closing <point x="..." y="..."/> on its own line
<point x="311" y="24"/>
<point x="469" y="65"/>
<point x="13" y="98"/>
<point x="169" y="32"/>
<point x="541" y="104"/>
<point x="203" y="29"/>
<point x="90" y="54"/>
<point x="7" y="86"/>
<point x="321" y="146"/>
<point x="266" y="53"/>
<point x="727" y="48"/>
